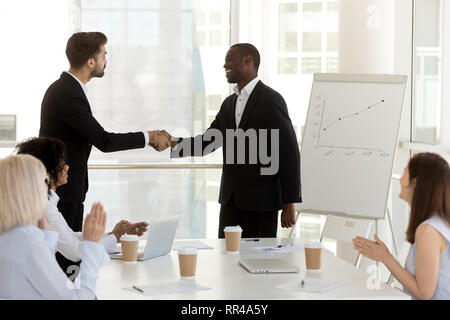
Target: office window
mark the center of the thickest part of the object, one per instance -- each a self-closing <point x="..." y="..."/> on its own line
<point x="287" y="65"/>
<point x="311" y="65"/>
<point x="7" y="127"/>
<point x="164" y="71"/>
<point x="288" y="24"/>
<point x="332" y="42"/>
<point x="312" y="41"/>
<point x="308" y="32"/>
<point x="312" y="15"/>
<point x="332" y="65"/>
<point x="308" y="43"/>
<point x="427" y="78"/>
<point x="34" y="36"/>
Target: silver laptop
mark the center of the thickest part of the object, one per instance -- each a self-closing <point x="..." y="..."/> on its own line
<point x="159" y="241"/>
<point x="267" y="266"/>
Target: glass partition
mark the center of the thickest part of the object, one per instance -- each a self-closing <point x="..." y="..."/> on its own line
<point x="427" y="66"/>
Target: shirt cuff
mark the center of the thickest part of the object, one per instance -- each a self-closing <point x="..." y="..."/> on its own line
<point x="93" y="258"/>
<point x="51" y="239"/>
<point x="109" y="242"/>
<point x="146" y="137"/>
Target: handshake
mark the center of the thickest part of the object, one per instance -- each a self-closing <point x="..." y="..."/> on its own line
<point x="160" y="140"/>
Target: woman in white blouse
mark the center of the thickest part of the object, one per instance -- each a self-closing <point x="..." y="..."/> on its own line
<point x="51" y="152"/>
<point x="28" y="267"/>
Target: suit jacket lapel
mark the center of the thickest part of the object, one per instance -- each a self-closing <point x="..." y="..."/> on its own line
<point x="232" y="117"/>
<point x="251" y="103"/>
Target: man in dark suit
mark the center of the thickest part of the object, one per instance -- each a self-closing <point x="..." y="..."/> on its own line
<point x="66" y="115"/>
<point x="251" y="193"/>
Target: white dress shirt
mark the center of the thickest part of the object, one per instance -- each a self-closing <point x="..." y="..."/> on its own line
<point x="242" y="98"/>
<point x="70" y="243"/>
<point x="85" y="90"/>
<point x="28" y="267"/>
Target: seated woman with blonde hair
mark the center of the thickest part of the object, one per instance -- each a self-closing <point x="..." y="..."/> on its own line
<point x="425" y="186"/>
<point x="28" y="267"/>
<point x="51" y="152"/>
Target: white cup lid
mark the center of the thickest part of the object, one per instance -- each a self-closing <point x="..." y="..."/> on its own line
<point x="187" y="250"/>
<point x="313" y="245"/>
<point x="129" y="237"/>
<point x="232" y="229"/>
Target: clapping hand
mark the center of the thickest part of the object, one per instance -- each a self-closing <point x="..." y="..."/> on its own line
<point x="127" y="227"/>
<point x="375" y="250"/>
<point x="121" y="228"/>
<point x="137" y="228"/>
<point x="94" y="224"/>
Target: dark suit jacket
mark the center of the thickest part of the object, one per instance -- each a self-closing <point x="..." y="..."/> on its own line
<point x="251" y="191"/>
<point x="66" y="115"/>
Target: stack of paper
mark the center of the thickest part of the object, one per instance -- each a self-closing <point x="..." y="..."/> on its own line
<point x="313" y="285"/>
<point x="178" y="244"/>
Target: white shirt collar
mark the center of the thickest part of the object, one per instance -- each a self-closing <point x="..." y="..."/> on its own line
<point x="34" y="230"/>
<point x="248" y="88"/>
<point x="83" y="86"/>
<point x="54" y="198"/>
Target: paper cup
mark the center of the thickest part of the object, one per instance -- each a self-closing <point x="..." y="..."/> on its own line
<point x="233" y="239"/>
<point x="129" y="243"/>
<point x="313" y="255"/>
<point x="187" y="260"/>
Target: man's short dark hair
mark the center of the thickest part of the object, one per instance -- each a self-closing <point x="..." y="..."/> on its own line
<point x="247" y="49"/>
<point x="82" y="46"/>
<point x="50" y="151"/>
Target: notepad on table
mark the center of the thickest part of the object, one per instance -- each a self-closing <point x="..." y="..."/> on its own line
<point x="313" y="285"/>
<point x="177" y="244"/>
<point x="180" y="286"/>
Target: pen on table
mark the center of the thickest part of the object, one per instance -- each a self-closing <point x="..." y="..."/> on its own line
<point x="251" y="239"/>
<point x="283" y="245"/>
<point x="138" y="289"/>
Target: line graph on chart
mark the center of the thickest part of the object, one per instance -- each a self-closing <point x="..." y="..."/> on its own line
<point x="349" y="143"/>
<point x="352" y="131"/>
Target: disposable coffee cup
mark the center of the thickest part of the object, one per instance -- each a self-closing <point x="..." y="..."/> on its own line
<point x="129" y="243"/>
<point x="187" y="259"/>
<point x="233" y="239"/>
<point x="313" y="255"/>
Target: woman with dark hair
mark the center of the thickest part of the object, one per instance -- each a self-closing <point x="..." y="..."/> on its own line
<point x="425" y="186"/>
<point x="51" y="152"/>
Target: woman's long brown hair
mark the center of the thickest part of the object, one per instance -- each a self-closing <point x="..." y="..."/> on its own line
<point x="431" y="193"/>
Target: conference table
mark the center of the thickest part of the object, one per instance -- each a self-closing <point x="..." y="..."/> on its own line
<point x="227" y="280"/>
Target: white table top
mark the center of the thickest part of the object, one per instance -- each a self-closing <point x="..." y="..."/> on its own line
<point x="229" y="281"/>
